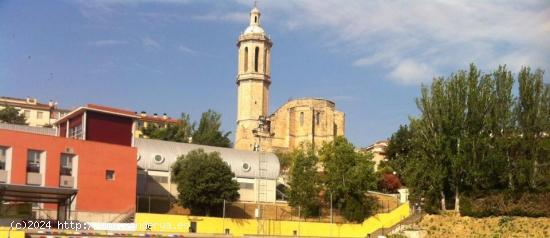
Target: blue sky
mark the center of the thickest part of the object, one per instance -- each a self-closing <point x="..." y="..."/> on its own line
<point x="175" y="56"/>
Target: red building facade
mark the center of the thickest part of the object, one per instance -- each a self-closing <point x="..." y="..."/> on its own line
<point x="98" y="123"/>
<point x="103" y="173"/>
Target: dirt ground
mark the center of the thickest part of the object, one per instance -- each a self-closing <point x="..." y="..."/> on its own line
<point x="454" y="226"/>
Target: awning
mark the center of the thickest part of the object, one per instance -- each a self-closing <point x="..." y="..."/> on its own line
<point x="38" y="194"/>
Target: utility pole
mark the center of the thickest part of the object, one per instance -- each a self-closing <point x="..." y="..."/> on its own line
<point x="331" y="217"/>
<point x="223" y="217"/>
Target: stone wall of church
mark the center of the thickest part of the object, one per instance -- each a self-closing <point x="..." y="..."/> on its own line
<point x="310" y="121"/>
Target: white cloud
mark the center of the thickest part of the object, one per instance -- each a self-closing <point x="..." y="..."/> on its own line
<point x="413" y="40"/>
<point x="150" y="43"/>
<point x="411" y="72"/>
<point x="437" y="36"/>
<point x="101" y="10"/>
<point x="102" y="43"/>
<point x="227" y="16"/>
<point x="186" y="49"/>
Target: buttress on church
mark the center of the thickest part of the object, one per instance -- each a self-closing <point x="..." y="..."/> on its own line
<point x="299" y="121"/>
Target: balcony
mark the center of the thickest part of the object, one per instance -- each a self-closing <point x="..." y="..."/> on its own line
<point x="34" y="178"/>
<point x="66" y="181"/>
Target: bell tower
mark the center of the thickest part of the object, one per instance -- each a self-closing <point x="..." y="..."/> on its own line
<point x="253" y="80"/>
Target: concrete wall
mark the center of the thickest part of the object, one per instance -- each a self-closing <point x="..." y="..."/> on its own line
<point x="251" y="195"/>
<point x="148" y="186"/>
<point x="5" y="232"/>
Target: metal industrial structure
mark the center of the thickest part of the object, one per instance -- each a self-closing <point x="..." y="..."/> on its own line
<point x="258" y="180"/>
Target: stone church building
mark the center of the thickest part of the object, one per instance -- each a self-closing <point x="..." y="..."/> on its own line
<point x="307" y="120"/>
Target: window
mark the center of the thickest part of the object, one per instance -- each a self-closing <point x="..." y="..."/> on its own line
<point x="246" y="167"/>
<point x="66" y="164"/>
<point x="243" y="185"/>
<point x="317" y="118"/>
<point x="256" y="54"/>
<point x="27" y="114"/>
<point x="110" y="175"/>
<point x="159" y="179"/>
<point x="256" y="19"/>
<point x="301" y="118"/>
<point x="3" y="152"/>
<point x="140" y="125"/>
<point x="39" y="115"/>
<point x="33" y="161"/>
<point x="265" y="60"/>
<point x="245" y="59"/>
<point x="76" y="132"/>
<point x="158" y="159"/>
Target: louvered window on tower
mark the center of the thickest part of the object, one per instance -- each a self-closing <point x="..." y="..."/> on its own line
<point x="245" y="59"/>
<point x="256" y="54"/>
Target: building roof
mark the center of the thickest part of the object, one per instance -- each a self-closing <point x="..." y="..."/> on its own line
<point x="29" y="129"/>
<point x="159" y="119"/>
<point x="28" y="103"/>
<point x="169" y="151"/>
<point x="254" y="26"/>
<point x="98" y="108"/>
<point x="303" y="101"/>
<point x="382" y="144"/>
<point x="254" y="30"/>
<point x="112" y="110"/>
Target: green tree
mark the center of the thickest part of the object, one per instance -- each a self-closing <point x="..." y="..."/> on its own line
<point x="304" y="183"/>
<point x="11" y="115"/>
<point x="209" y="132"/>
<point x="181" y="131"/>
<point x="203" y="181"/>
<point x="285" y="160"/>
<point x="532" y="120"/>
<point x="399" y="147"/>
<point x="348" y="176"/>
<point x="472" y="136"/>
<point x="502" y="127"/>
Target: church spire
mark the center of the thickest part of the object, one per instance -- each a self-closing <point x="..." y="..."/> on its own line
<point x="255" y="16"/>
<point x="253" y="80"/>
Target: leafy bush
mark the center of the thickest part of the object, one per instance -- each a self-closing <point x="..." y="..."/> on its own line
<point x="505" y="204"/>
<point x="389" y="183"/>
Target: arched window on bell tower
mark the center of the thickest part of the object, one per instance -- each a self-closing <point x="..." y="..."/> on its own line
<point x="265" y="61"/>
<point x="256" y="55"/>
<point x="245" y="59"/>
